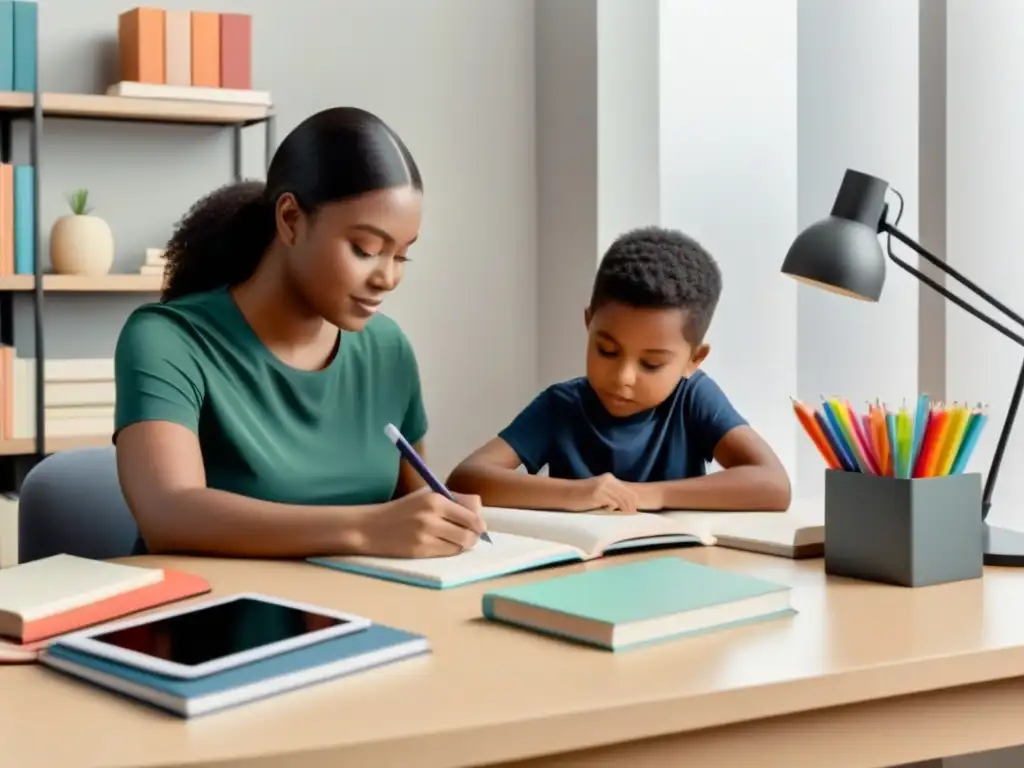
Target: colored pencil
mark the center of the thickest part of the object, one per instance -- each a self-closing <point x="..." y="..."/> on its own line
<point x="975" y="423"/>
<point x="805" y="415"/>
<point x="957" y="426"/>
<point x="846" y="462"/>
<point x="861" y="438"/>
<point x="844" y="428"/>
<point x="920" y="421"/>
<point x="929" y="442"/>
<point x="890" y="429"/>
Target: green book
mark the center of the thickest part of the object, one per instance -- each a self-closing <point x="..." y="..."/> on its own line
<point x="6" y="45"/>
<point x="636" y="604"/>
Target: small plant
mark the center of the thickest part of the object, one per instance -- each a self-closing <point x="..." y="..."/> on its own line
<point x="79" y="202"/>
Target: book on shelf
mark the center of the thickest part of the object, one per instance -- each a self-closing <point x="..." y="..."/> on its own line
<point x="78" y="396"/>
<point x="26" y="33"/>
<point x="186" y="55"/>
<point x="17" y="222"/>
<point x="8" y="529"/>
<point x="155" y="262"/>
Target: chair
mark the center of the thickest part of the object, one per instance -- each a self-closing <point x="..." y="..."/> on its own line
<point x="71" y="502"/>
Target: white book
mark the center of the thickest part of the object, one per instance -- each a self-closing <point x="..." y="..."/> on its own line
<point x="189" y="93"/>
<point x="525" y="539"/>
<point x="52" y="585"/>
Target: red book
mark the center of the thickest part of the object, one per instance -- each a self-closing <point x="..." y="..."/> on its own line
<point x="236" y="51"/>
<point x="175" y="586"/>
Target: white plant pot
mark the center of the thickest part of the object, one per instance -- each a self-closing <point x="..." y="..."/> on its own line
<point x="81" y="245"/>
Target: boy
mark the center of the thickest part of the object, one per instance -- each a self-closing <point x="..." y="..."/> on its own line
<point x="638" y="431"/>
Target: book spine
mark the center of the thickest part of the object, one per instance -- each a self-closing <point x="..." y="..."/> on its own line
<point x="6" y="219"/>
<point x="24" y="220"/>
<point x="6" y="45"/>
<point x="140" y="41"/>
<point x="26" y="24"/>
<point x="236" y="51"/>
<point x="205" y="49"/>
<point x="178" y="48"/>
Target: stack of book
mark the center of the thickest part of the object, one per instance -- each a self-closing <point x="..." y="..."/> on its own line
<point x="186" y="55"/>
<point x="44" y="599"/>
<point x="155" y="263"/>
<point x="78" y="395"/>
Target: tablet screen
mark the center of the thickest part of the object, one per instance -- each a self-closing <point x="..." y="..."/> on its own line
<point x="217" y="631"/>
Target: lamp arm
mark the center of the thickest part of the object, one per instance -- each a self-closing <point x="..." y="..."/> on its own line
<point x="945" y="293"/>
<point x="1018" y="390"/>
<point x="943" y="266"/>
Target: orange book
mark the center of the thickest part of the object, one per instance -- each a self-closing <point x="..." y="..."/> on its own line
<point x="140" y="41"/>
<point x="6" y="219"/>
<point x="236" y="51"/>
<point x="206" y="49"/>
<point x="176" y="585"/>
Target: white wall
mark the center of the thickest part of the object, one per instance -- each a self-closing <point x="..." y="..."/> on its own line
<point x="985" y="201"/>
<point x="858" y="108"/>
<point x="729" y="178"/>
<point x="597" y="155"/>
<point x="454" y="77"/>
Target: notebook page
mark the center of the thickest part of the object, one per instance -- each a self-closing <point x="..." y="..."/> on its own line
<point x="507" y="554"/>
<point x="588" y="531"/>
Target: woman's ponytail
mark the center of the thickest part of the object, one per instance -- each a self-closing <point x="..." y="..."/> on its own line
<point x="220" y="241"/>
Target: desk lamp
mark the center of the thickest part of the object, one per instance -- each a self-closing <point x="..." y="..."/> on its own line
<point x="842" y="254"/>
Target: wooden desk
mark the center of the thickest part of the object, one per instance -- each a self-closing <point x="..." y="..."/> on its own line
<point x="855" y="679"/>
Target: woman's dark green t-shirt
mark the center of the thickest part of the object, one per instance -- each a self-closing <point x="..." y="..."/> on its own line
<point x="267" y="430"/>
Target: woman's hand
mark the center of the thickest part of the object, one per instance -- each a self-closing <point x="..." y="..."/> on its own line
<point x="421" y="524"/>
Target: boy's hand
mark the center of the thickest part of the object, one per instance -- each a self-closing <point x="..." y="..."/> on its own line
<point x="603" y="492"/>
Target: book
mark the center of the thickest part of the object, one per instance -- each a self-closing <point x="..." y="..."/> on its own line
<point x="175" y="586"/>
<point x="205" y="49"/>
<point x="178" y="48"/>
<point x="42" y="588"/>
<point x="523" y="540"/>
<point x="236" y="51"/>
<point x="373" y="647"/>
<point x="797" y="533"/>
<point x="6" y="45"/>
<point x="140" y="43"/>
<point x="24" y="220"/>
<point x="628" y="606"/>
<point x="26" y="33"/>
<point x="132" y="90"/>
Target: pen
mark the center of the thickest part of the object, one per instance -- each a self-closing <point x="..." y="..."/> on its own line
<point x="410" y="455"/>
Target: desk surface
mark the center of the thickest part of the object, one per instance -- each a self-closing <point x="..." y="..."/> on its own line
<point x="490" y="693"/>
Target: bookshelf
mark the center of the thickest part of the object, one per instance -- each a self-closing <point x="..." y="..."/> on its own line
<point x="19" y="455"/>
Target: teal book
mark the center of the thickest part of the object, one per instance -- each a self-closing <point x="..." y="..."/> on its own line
<point x="24" y="220"/>
<point x="372" y="647"/>
<point x="6" y="45"/>
<point x="637" y="604"/>
<point x="26" y="32"/>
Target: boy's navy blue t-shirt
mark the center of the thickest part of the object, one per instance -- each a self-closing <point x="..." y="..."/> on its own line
<point x="567" y="429"/>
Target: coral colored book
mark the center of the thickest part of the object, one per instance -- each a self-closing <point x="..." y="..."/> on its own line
<point x="176" y="585"/>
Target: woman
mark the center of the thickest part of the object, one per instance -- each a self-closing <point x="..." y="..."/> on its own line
<point x="247" y="423"/>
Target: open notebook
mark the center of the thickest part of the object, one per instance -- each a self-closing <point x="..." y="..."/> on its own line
<point x="525" y="539"/>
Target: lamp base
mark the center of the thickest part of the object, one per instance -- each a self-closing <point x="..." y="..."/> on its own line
<point x="1004" y="546"/>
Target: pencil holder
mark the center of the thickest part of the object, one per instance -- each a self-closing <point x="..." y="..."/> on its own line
<point x="909" y="532"/>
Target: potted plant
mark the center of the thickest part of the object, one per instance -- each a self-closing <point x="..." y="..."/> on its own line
<point x="80" y="243"/>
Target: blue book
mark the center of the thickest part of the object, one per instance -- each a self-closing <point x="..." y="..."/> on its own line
<point x="317" y="663"/>
<point x="24" y="220"/>
<point x="26" y="30"/>
<point x="637" y="604"/>
<point x="6" y="45"/>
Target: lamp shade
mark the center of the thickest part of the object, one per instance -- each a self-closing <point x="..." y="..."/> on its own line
<point x="841" y="253"/>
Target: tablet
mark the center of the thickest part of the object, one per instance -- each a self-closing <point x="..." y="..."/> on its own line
<point x="213" y="636"/>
